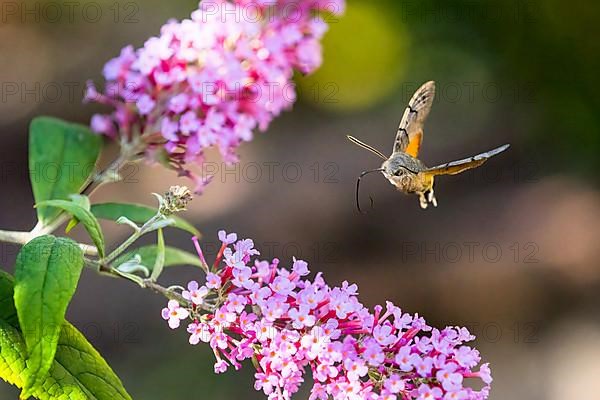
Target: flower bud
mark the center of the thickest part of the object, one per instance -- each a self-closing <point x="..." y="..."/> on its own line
<point x="175" y="200"/>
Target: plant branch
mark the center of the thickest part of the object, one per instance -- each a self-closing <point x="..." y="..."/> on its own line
<point x="169" y="294"/>
<point x="23" y="238"/>
<point x="14" y="237"/>
<point x="105" y="269"/>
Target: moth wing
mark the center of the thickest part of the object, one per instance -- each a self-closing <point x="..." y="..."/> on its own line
<point x="410" y="131"/>
<point x="456" y="167"/>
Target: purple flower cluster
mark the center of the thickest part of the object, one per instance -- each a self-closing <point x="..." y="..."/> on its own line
<point x="286" y="323"/>
<point x="211" y="80"/>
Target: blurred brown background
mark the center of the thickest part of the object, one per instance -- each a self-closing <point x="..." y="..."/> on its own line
<point x="511" y="252"/>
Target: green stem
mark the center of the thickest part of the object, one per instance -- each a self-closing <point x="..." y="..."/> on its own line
<point x="135" y="236"/>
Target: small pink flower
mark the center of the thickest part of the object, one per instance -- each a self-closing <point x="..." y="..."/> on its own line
<point x="264" y="331"/>
<point x="227" y="238"/>
<point x="220" y="367"/>
<point x="103" y="125"/>
<point x="236" y="303"/>
<point x="325" y="372"/>
<point x="383" y="334"/>
<point x="189" y="123"/>
<point x="282" y="286"/>
<point x="458" y="395"/>
<point x="309" y="54"/>
<point x="169" y="129"/>
<point x="198" y="332"/>
<point x="373" y="354"/>
<point x="246" y="248"/>
<point x="394" y="384"/>
<point x="179" y="103"/>
<point x="242" y="277"/>
<point x="355" y="368"/>
<point x="314" y="342"/>
<point x="318" y="392"/>
<point x="449" y="378"/>
<point x="423" y="365"/>
<point x="331" y="329"/>
<point x="387" y="395"/>
<point x="302" y="317"/>
<point x="92" y="95"/>
<point x="428" y="393"/>
<point x="265" y="382"/>
<point x="219" y="340"/>
<point x="466" y="356"/>
<point x="174" y="313"/>
<point x="223" y="318"/>
<point x="485" y="373"/>
<point x="195" y="294"/>
<point x="300" y="267"/>
<point x="213" y="281"/>
<point x="234" y="259"/>
<point x="404" y="360"/>
<point x="145" y="104"/>
<point x="244" y="350"/>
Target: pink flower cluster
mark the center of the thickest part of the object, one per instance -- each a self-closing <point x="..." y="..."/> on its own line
<point x="286" y="323"/>
<point x="209" y="81"/>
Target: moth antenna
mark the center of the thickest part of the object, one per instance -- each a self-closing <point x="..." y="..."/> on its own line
<point x="366" y="147"/>
<point x="358" y="188"/>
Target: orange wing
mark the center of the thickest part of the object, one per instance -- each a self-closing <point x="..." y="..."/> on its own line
<point x="414" y="144"/>
<point x="456" y="167"/>
<point x="410" y="131"/>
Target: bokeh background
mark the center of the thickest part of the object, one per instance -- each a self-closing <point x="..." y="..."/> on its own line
<point x="511" y="252"/>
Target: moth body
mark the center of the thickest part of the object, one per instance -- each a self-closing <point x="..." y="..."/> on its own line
<point x="406" y="174"/>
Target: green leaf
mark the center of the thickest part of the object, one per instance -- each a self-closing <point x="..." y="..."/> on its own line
<point x="128" y="222"/>
<point x="47" y="272"/>
<point x="84" y="202"/>
<point x="78" y="211"/>
<point x="81" y="200"/>
<point x="173" y="256"/>
<point x="134" y="266"/>
<point x="159" y="261"/>
<point x="8" y="312"/>
<point x="84" y="367"/>
<point x="12" y="355"/>
<point x="62" y="158"/>
<point x="137" y="213"/>
<point x="77" y="372"/>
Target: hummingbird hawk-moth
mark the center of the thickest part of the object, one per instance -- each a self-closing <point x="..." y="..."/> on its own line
<point x="403" y="169"/>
